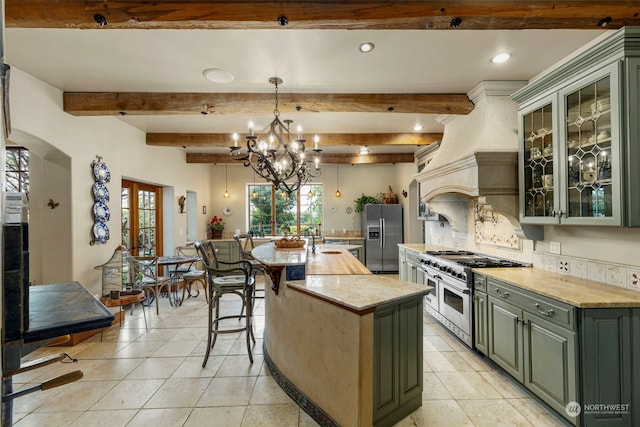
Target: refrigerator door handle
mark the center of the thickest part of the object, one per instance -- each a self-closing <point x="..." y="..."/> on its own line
<point x="382" y="232"/>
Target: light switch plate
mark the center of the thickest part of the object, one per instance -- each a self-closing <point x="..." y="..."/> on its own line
<point x="554" y="248"/>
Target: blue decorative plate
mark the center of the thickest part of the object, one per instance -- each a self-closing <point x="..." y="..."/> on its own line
<point x="101" y="173"/>
<point x="100" y="232"/>
<point x="101" y="212"/>
<point x="100" y="192"/>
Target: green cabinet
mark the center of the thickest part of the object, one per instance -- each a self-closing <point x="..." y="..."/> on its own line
<point x="397" y="359"/>
<point x="561" y="353"/>
<point x="409" y="266"/>
<point x="575" y="124"/>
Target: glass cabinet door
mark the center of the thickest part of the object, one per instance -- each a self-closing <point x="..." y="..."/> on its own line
<point x="538" y="147"/>
<point x="590" y="152"/>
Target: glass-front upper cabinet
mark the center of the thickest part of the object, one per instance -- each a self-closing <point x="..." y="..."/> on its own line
<point x="591" y="139"/>
<point x="537" y="155"/>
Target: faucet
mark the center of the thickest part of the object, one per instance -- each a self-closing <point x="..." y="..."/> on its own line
<point x="313" y="242"/>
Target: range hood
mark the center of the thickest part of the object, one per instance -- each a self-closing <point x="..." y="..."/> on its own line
<point x="478" y="159"/>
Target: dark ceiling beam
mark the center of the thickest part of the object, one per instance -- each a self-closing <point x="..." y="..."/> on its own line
<point x="336" y="14"/>
<point x="153" y="103"/>
<point x="211" y="140"/>
<point x="340" y="159"/>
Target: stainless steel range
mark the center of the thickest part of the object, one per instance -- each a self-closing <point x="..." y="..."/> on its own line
<point x="449" y="272"/>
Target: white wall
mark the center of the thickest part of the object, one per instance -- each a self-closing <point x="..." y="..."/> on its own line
<point x="37" y="114"/>
<point x="354" y="180"/>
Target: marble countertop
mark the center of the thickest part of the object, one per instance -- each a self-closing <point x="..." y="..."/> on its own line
<point x="358" y="293"/>
<point x="578" y="292"/>
<point x="327" y="261"/>
<point x="270" y="255"/>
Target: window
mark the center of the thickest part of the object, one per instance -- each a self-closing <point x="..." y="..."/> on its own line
<point x="17" y="170"/>
<point x="273" y="213"/>
<point x="141" y="218"/>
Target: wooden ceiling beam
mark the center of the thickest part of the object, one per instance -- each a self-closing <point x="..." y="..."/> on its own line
<point x="340" y="159"/>
<point x="145" y="103"/>
<point x="335" y="14"/>
<point x="203" y="140"/>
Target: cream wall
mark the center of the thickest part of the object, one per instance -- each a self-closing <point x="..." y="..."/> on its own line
<point x="353" y="181"/>
<point x="37" y="116"/>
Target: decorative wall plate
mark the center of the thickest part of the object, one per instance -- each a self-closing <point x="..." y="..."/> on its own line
<point x="100" y="232"/>
<point x="227" y="211"/>
<point x="100" y="192"/>
<point x="349" y="209"/>
<point x="101" y="212"/>
<point x="101" y="173"/>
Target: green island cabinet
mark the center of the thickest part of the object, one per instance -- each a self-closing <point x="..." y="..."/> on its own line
<point x="409" y="265"/>
<point x="397" y="360"/>
<point x="561" y="353"/>
<point x="579" y="138"/>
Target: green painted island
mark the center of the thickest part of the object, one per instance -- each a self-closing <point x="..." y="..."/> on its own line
<point x="346" y="346"/>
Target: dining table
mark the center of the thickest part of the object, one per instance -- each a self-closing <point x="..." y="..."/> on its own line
<point x="172" y="262"/>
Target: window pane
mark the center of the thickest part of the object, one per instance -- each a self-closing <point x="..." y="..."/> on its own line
<point x="260" y="196"/>
<point x="285" y="213"/>
<point x="17" y="169"/>
<point x="311" y="197"/>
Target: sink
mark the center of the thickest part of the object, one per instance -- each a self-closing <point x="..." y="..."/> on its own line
<point x="331" y="252"/>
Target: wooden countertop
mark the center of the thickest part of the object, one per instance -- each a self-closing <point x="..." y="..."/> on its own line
<point x="578" y="292"/>
<point x="334" y="259"/>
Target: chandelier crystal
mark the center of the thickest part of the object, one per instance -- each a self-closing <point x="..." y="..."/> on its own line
<point x="276" y="155"/>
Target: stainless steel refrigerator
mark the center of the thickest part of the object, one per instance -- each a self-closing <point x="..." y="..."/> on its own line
<point x="382" y="230"/>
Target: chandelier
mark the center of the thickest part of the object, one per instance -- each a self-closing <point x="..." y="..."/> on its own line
<point x="276" y="155"/>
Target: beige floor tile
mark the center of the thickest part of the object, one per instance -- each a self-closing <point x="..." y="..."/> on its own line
<point x="157" y="367"/>
<point x="268" y="392"/>
<point x="433" y="389"/>
<point x="240" y="346"/>
<point x="446" y="361"/>
<point x="100" y="350"/>
<point x="437" y="413"/>
<point x="435" y="343"/>
<point x="78" y="396"/>
<point x="223" y="416"/>
<point x="283" y="415"/>
<point x="129" y="394"/>
<point x="104" y="418"/>
<point x="192" y="333"/>
<point x="139" y="349"/>
<point x="159" y="334"/>
<point x="191" y="367"/>
<point x="240" y="366"/>
<point x="178" y="393"/>
<point x="31" y="402"/>
<point x="231" y="391"/>
<point x="160" y="417"/>
<point x="111" y="369"/>
<point x="537" y="414"/>
<point x="116" y="333"/>
<point x="176" y="349"/>
<point x="306" y="420"/>
<point x="467" y="385"/>
<point x="504" y="384"/>
<point x="46" y="419"/>
<point x="491" y="413"/>
<point x="475" y="360"/>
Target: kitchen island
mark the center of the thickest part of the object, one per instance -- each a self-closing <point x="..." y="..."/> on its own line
<point x="346" y="345"/>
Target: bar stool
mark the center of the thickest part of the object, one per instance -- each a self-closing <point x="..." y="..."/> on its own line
<point x="227" y="278"/>
<point x="245" y="245"/>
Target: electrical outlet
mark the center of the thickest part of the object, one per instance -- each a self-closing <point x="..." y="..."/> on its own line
<point x="554" y="248"/>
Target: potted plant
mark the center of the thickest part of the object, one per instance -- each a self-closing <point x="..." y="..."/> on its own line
<point x="216" y="225"/>
<point x="365" y="200"/>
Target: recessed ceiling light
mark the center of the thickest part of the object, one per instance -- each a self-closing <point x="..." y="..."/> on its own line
<point x="500" y="58"/>
<point x="366" y="47"/>
<point x="417" y="127"/>
<point x="218" y="75"/>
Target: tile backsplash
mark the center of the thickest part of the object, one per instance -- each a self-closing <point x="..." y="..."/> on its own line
<point x="621" y="275"/>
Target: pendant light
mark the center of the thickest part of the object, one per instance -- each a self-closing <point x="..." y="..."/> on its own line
<point x="338" y="193"/>
<point x="254" y="193"/>
<point x="226" y="194"/>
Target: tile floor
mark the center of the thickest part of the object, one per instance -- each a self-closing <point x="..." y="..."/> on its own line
<point x="138" y="378"/>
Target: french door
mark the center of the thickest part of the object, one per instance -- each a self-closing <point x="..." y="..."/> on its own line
<point x="142" y="218"/>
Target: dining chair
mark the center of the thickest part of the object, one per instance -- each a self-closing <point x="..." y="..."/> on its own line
<point x="245" y="246"/>
<point x="191" y="274"/>
<point x="146" y="276"/>
<point x="236" y="278"/>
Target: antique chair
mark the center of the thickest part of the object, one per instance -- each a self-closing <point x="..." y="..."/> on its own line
<point x="245" y="245"/>
<point x="191" y="274"/>
<point x="227" y="278"/>
<point x="146" y="277"/>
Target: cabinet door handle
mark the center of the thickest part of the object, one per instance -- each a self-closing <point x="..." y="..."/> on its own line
<point x="502" y="294"/>
<point x="547" y="313"/>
